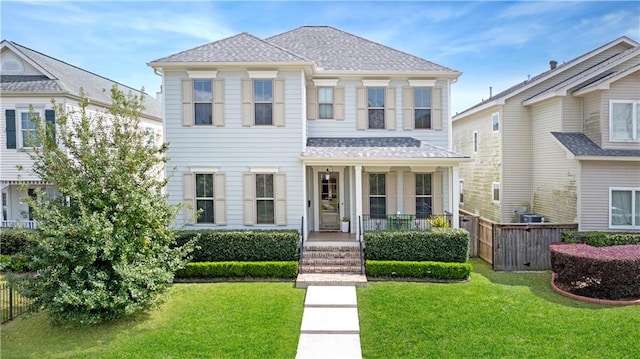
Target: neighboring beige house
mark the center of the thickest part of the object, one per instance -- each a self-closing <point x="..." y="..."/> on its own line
<point x="563" y="146"/>
<point x="315" y="124"/>
<point x="30" y="78"/>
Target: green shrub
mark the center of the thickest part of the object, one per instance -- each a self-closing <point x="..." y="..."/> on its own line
<point x="241" y="245"/>
<point x="437" y="245"/>
<point x="405" y="269"/>
<point x="15" y="240"/>
<point x="13" y="263"/>
<point x="281" y="269"/>
<point x="601" y="239"/>
<point x="439" y="222"/>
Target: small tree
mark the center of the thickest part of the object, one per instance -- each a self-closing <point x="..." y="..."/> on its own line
<point x="105" y="249"/>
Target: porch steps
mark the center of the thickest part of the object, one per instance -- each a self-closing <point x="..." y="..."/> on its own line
<point x="325" y="264"/>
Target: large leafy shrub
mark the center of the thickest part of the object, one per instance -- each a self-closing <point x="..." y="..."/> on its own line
<point x="104" y="245"/>
<point x="437" y="245"/>
<point x="607" y="272"/>
<point x="242" y="245"/>
<point x="431" y="270"/>
<point x="284" y="270"/>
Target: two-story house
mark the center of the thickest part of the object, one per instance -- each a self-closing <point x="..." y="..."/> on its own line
<point x="315" y="124"/>
<point x="563" y="145"/>
<point x="30" y="80"/>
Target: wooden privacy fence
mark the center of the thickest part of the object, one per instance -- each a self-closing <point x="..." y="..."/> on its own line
<point x="514" y="246"/>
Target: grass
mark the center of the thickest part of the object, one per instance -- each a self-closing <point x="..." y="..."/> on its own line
<point x="495" y="315"/>
<point x="221" y="320"/>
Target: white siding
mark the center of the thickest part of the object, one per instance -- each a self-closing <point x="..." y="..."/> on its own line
<point x="595" y="179"/>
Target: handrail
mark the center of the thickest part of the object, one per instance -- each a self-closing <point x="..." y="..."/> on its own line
<point x="301" y="245"/>
<point x="360" y="242"/>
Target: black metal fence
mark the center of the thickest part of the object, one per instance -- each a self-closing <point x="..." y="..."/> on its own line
<point x="403" y="222"/>
<point x="12" y="304"/>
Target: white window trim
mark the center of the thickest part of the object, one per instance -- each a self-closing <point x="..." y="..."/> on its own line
<point x="385" y="195"/>
<point x="259" y="75"/>
<point x="272" y="198"/>
<point x="256" y="102"/>
<point x="375" y="83"/>
<point x="475" y="142"/>
<point x="422" y="83"/>
<point x="633" y="209"/>
<point x="383" y="108"/>
<point x="325" y="82"/>
<point x="430" y="108"/>
<point x="495" y="114"/>
<point x="203" y="169"/>
<point x="19" y="111"/>
<point x="634" y="118"/>
<point x="494" y="186"/>
<point x="205" y="75"/>
<point x="264" y="169"/>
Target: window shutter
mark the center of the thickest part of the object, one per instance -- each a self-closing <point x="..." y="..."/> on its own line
<point x="365" y="194"/>
<point x="409" y="191"/>
<point x="280" y="194"/>
<point x="361" y="108"/>
<point x="188" y="198"/>
<point x="312" y="102"/>
<point x="408" y="121"/>
<point x="436" y="191"/>
<point x="278" y="103"/>
<point x="187" y="103"/>
<point x="392" y="192"/>
<point x="218" y="102"/>
<point x="338" y="103"/>
<point x="390" y="109"/>
<point x="247" y="102"/>
<point x="11" y="128"/>
<point x="249" y="198"/>
<point x="436" y="108"/>
<point x="219" y="200"/>
<point x="50" y="118"/>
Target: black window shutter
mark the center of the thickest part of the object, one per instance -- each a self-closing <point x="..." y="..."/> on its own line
<point x="50" y="118"/>
<point x="11" y="128"/>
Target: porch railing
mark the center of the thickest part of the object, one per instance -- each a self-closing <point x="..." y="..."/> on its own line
<point x="400" y="222"/>
<point x="18" y="224"/>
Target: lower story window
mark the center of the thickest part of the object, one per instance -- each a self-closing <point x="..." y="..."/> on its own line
<point x="423" y="195"/>
<point x="265" y="199"/>
<point x="624" y="207"/>
<point x="377" y="195"/>
<point x="204" y="198"/>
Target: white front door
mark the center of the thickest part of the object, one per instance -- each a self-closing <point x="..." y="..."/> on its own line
<point x="329" y="203"/>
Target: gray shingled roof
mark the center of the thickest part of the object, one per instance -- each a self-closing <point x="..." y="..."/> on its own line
<point x="375" y="147"/>
<point x="243" y="47"/>
<point x="581" y="145"/>
<point x="332" y="49"/>
<point x="67" y="79"/>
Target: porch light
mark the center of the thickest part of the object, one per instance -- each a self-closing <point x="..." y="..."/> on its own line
<point x="327" y="175"/>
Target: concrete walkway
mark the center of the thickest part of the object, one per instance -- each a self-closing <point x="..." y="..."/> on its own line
<point x="330" y="328"/>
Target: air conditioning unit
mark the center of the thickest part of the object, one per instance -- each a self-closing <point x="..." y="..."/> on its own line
<point x="531" y="218"/>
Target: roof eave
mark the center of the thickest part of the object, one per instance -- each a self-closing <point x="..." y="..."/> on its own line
<point x="486" y="106"/>
<point x="191" y="64"/>
<point x="383" y="161"/>
<point x="389" y="74"/>
<point x="607" y="158"/>
<point x="537" y="99"/>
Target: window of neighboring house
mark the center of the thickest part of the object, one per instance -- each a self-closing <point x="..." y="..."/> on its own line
<point x="461" y="191"/>
<point x="203" y="101"/>
<point x="375" y="100"/>
<point x="205" y="197"/>
<point x="377" y="195"/>
<point x="495" y="121"/>
<point x="423" y="195"/>
<point x="475" y="141"/>
<point x="495" y="191"/>
<point x="28" y="135"/>
<point x="325" y="102"/>
<point x="624" y="208"/>
<point x="263" y="101"/>
<point x="422" y="107"/>
<point x="265" y="199"/>
<point x="624" y="120"/>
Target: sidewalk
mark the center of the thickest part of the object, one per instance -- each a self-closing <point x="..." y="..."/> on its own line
<point x="330" y="328"/>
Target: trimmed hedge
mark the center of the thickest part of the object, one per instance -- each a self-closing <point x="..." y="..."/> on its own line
<point x="241" y="245"/>
<point x="405" y="269"/>
<point x="436" y="245"/>
<point x="15" y="240"/>
<point x="288" y="269"/>
<point x="605" y="273"/>
<point x="601" y="239"/>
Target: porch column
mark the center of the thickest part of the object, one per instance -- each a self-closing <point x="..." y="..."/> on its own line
<point x="454" y="193"/>
<point x="2" y="187"/>
<point x="358" y="192"/>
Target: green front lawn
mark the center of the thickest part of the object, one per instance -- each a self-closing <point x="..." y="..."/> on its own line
<point x="495" y="315"/>
<point x="224" y="320"/>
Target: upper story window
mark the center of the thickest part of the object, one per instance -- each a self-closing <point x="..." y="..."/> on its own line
<point x="624" y="120"/>
<point x="624" y="208"/>
<point x="495" y="122"/>
<point x="375" y="107"/>
<point x="325" y="102"/>
<point x="263" y="101"/>
<point x="203" y="102"/>
<point x="28" y="133"/>
<point x="422" y="107"/>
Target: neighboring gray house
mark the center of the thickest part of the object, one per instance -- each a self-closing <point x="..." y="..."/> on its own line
<point x="30" y="78"/>
<point x="563" y="146"/>
<point x="313" y="123"/>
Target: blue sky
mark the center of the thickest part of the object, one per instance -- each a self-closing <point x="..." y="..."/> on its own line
<point x="494" y="43"/>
